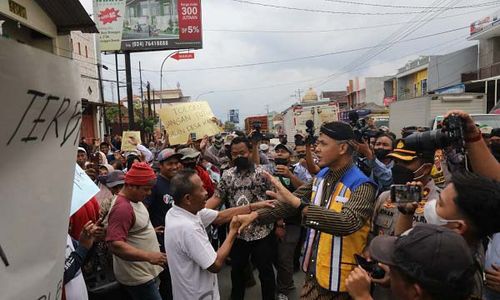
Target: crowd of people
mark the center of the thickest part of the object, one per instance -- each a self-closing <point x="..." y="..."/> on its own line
<point x="168" y="218"/>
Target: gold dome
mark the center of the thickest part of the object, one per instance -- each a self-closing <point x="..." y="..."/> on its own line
<point x="310" y="96"/>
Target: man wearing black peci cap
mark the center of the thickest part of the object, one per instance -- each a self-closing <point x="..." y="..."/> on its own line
<point x="428" y="262"/>
<point x="341" y="201"/>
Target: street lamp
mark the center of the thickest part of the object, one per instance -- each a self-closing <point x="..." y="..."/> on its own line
<point x="206" y="93"/>
<point x="161" y="75"/>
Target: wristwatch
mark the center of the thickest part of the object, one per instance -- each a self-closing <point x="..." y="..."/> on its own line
<point x="302" y="206"/>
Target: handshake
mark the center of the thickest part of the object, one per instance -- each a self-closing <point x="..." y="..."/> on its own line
<point x="280" y="193"/>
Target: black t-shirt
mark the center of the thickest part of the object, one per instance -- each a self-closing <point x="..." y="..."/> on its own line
<point x="158" y="203"/>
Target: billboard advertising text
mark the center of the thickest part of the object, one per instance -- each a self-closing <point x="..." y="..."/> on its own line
<point x="146" y="25"/>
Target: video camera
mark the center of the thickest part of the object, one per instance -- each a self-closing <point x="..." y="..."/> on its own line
<point x="310" y="138"/>
<point x="451" y="134"/>
<point x="256" y="136"/>
<point x="361" y="131"/>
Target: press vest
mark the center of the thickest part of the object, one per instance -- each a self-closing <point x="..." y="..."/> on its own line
<point x="330" y="257"/>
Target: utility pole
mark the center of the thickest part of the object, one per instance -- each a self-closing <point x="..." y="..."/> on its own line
<point x="148" y="88"/>
<point x="154" y="106"/>
<point x="130" y="100"/>
<point x="299" y="93"/>
<point x="118" y="93"/>
<point x="101" y="95"/>
<point x="142" y="102"/>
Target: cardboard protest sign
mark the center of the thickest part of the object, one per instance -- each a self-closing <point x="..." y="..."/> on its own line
<point x="183" y="119"/>
<point x="41" y="116"/>
<point x="130" y="140"/>
<point x="83" y="190"/>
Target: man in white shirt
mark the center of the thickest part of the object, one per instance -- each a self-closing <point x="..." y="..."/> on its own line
<point x="192" y="261"/>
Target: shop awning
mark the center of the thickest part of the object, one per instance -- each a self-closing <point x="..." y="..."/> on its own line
<point x="68" y="15"/>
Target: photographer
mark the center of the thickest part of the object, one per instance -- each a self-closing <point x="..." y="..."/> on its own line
<point x="378" y="160"/>
<point x="300" y="168"/>
<point x="482" y="160"/>
<point x="427" y="263"/>
<point x="287" y="230"/>
<point x="469" y="205"/>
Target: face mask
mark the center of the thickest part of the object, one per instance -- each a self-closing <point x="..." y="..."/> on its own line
<point x="418" y="170"/>
<point x="381" y="153"/>
<point x="431" y="215"/>
<point x="102" y="179"/>
<point x="242" y="163"/>
<point x="402" y="175"/>
<point x="189" y="165"/>
<point x="301" y="156"/>
<point x="281" y="161"/>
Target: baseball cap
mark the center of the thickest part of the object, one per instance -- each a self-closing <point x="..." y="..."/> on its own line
<point x="285" y="147"/>
<point x="188" y="153"/>
<point x="82" y="149"/>
<point x="435" y="256"/>
<point x="402" y="152"/>
<point x="168" y="153"/>
<point x="115" y="178"/>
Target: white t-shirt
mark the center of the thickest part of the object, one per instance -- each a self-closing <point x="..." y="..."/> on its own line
<point x="190" y="253"/>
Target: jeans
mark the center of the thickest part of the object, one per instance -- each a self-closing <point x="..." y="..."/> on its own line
<point x="261" y="252"/>
<point x="145" y="291"/>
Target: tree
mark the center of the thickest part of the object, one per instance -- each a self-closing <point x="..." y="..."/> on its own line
<point x="229" y="126"/>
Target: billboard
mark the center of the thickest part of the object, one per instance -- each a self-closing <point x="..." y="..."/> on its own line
<point x="234" y="116"/>
<point x="147" y="25"/>
<point x="485" y="23"/>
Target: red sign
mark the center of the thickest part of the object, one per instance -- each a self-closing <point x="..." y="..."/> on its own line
<point x="389" y="100"/>
<point x="189" y="20"/>
<point x="179" y="56"/>
<point x="109" y="15"/>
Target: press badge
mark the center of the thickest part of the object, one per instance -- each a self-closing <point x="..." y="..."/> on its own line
<point x="341" y="199"/>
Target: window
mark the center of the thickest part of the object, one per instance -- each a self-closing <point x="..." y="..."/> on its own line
<point x="79" y="49"/>
<point x="86" y="52"/>
<point x="424" y="87"/>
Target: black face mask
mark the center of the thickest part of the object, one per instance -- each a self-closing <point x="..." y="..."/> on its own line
<point x="382" y="153"/>
<point x="242" y="163"/>
<point x="281" y="161"/>
<point x="102" y="179"/>
<point x="401" y="175"/>
<point x="190" y="165"/>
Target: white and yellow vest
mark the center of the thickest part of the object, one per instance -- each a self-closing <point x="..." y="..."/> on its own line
<point x="333" y="258"/>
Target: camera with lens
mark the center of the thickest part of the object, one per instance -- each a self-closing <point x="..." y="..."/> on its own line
<point x="361" y="131"/>
<point x="451" y="134"/>
<point x="310" y="138"/>
<point x="256" y="136"/>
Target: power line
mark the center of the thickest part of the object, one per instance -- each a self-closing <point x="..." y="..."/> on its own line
<point x="394" y="38"/>
<point x="322" y="77"/>
<point x="335" y="29"/>
<point x="411" y="6"/>
<point x="312" y="10"/>
<point x="303" y="57"/>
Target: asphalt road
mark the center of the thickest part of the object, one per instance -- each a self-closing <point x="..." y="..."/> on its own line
<point x="253" y="293"/>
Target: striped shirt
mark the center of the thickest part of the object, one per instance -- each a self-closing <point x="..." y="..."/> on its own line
<point x="351" y="218"/>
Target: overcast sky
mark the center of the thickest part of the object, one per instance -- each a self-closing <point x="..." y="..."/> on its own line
<point x="250" y="89"/>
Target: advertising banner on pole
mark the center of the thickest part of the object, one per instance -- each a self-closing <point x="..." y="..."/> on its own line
<point x="109" y="17"/>
<point x="234" y="116"/>
<point x="146" y="25"/>
<point x="41" y="116"/>
<point x="184" y="119"/>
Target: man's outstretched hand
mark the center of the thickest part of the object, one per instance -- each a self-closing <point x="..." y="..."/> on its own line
<point x="282" y="193"/>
